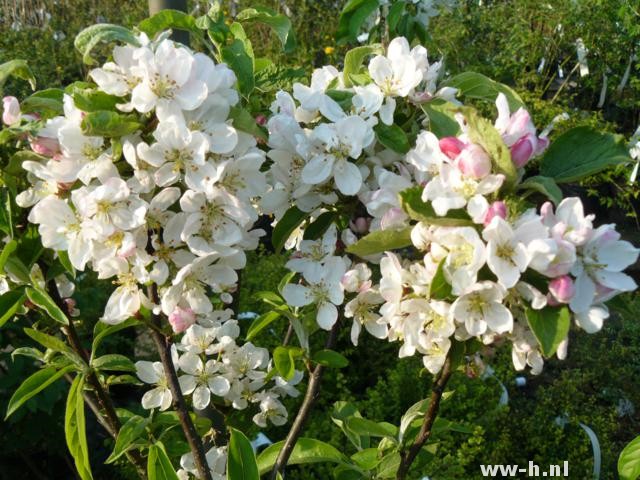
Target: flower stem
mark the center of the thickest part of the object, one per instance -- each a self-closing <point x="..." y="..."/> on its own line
<point x="310" y="397"/>
<point x="408" y="456"/>
<point x="163" y="345"/>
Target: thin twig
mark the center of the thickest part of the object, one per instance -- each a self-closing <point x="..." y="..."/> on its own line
<point x="408" y="456"/>
<point x="310" y="397"/>
<point x="163" y="345"/>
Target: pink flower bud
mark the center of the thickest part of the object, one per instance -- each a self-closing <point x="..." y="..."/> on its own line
<point x="562" y="289"/>
<point x="451" y="146"/>
<point x="261" y="120"/>
<point x="522" y="150"/>
<point x="49" y="147"/>
<point x="181" y="319"/>
<point x="10" y="110"/>
<point x="474" y="162"/>
<point x="359" y="225"/>
<point x="520" y="125"/>
<point x="496" y="209"/>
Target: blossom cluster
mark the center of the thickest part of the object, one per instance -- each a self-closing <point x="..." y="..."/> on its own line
<point x="479" y="265"/>
<point x="167" y="213"/>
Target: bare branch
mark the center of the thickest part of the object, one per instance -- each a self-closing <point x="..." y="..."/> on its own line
<point x="310" y="397"/>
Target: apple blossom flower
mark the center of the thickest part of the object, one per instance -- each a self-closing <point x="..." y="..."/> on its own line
<point x="11" y="111"/>
<point x="480" y="309"/>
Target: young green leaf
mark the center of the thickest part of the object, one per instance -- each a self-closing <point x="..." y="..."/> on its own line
<point x="476" y="85"/>
<point x="244" y="121"/>
<point x="44" y="301"/>
<point x="33" y="385"/>
<point x="16" y="68"/>
<point x="439" y="289"/>
<point x="10" y="302"/>
<point x="241" y="462"/>
<point x="352" y="18"/>
<point x="262" y="322"/>
<point x="306" y="450"/>
<point x="88" y="38"/>
<point x="629" y="461"/>
<point x="392" y="137"/>
<point x="321" y="224"/>
<point x="580" y="152"/>
<point x="49" y="341"/>
<point x="131" y="431"/>
<point x="354" y="59"/>
<point x="362" y="426"/>
<point x="286" y="225"/>
<point x="544" y="185"/>
<point x="158" y="464"/>
<point x="169" y="19"/>
<point x="103" y="330"/>
<point x="75" y="430"/>
<point x="236" y="56"/>
<point x="331" y="359"/>
<point x="103" y="123"/>
<point x="113" y="362"/>
<point x="411" y="201"/>
<point x="381" y="241"/>
<point x="550" y="327"/>
<point x="284" y="361"/>
<point x="280" y="24"/>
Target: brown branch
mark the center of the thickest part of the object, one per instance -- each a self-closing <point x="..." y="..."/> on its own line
<point x="310" y="397"/>
<point x="163" y="345"/>
<point x="408" y="456"/>
<point x="106" y="412"/>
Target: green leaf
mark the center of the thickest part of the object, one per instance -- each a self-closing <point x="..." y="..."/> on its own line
<point x="34" y="385"/>
<point x="88" y="38"/>
<point x="362" y="426"/>
<point x="354" y="59"/>
<point x="389" y="465"/>
<point x="63" y="256"/>
<point x="580" y="152"/>
<point x="262" y="322"/>
<point x="48" y="341"/>
<point x="442" y="121"/>
<point x="284" y="360"/>
<point x="168" y="19"/>
<point x="341" y="97"/>
<point x="244" y="121"/>
<point x="352" y="18"/>
<point x="306" y="450"/>
<point x="7" y="250"/>
<point x="16" y="68"/>
<point x="316" y="229"/>
<point x="15" y="268"/>
<point x="392" y="137"/>
<point x="411" y="201"/>
<point x="476" y="85"/>
<point x="395" y="13"/>
<point x="482" y="132"/>
<point x="109" y="124"/>
<point x="629" y="461"/>
<point x="103" y="330"/>
<point x="113" y="362"/>
<point x="158" y="464"/>
<point x="241" y="462"/>
<point x="91" y="100"/>
<point x="367" y="459"/>
<point x="74" y="428"/>
<point x="47" y="100"/>
<point x="331" y="359"/>
<point x="381" y="241"/>
<point x="443" y="425"/>
<point x="238" y="59"/>
<point x="128" y="434"/>
<point x="286" y="226"/>
<point x="416" y="410"/>
<point x="280" y="24"/>
<point x="440" y="289"/>
<point x="544" y="185"/>
<point x="550" y="327"/>
<point x="10" y="302"/>
<point x="44" y="301"/>
<point x="28" y="352"/>
<point x="341" y="412"/>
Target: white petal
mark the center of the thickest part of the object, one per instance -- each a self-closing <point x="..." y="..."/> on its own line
<point x="347" y="177"/>
<point x="201" y="397"/>
<point x="327" y="315"/>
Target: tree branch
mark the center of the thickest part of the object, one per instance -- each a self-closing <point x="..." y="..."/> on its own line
<point x="163" y="345"/>
<point x="310" y="397"/>
<point x="408" y="456"/>
<point x="106" y="413"/>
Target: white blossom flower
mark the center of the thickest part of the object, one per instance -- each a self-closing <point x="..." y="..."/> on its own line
<point x="480" y="308"/>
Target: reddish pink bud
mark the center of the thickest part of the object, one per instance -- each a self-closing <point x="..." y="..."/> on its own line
<point x="562" y="288"/>
<point x="10" y="110"/>
<point x="451" y="146"/>
<point x="522" y="150"/>
<point x="474" y="162"/>
<point x="261" y="120"/>
<point x="181" y="319"/>
<point x="359" y="225"/>
<point x="49" y="147"/>
<point x="496" y="209"/>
